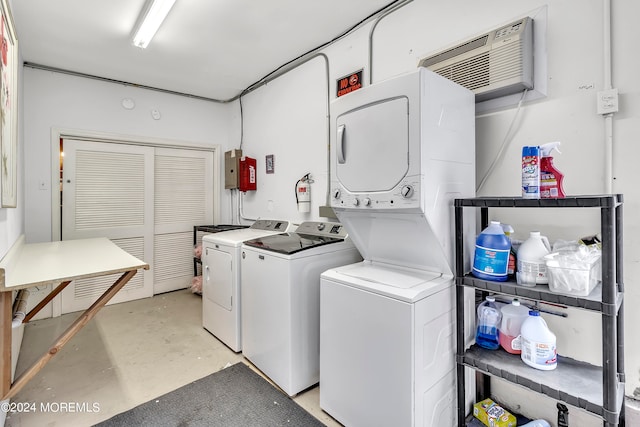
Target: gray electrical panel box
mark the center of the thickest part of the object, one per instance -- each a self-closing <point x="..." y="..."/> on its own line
<point x="231" y="166"/>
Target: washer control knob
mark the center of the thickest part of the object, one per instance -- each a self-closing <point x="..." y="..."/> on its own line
<point x="336" y="194"/>
<point x="367" y="201"/>
<point x="356" y="202"/>
<point x="406" y="191"/>
<point x="321" y="226"/>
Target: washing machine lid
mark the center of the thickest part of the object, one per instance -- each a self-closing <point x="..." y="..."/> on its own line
<point x="235" y="237"/>
<point x="220" y="228"/>
<point x="291" y="243"/>
<point x="405" y="284"/>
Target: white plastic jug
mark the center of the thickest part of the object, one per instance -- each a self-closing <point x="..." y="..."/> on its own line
<point x="538" y="343"/>
<point x="488" y="324"/>
<point x="532" y="269"/>
<point x="513" y="315"/>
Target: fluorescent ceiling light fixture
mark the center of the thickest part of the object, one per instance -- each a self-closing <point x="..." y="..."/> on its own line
<point x="152" y="16"/>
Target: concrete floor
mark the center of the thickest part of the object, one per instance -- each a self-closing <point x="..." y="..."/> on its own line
<point x="128" y="354"/>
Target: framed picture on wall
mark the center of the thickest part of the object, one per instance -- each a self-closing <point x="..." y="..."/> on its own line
<point x="8" y="108"/>
<point x="270" y="165"/>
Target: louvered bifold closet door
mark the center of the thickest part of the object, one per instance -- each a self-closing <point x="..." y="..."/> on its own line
<point x="107" y="191"/>
<point x="183" y="198"/>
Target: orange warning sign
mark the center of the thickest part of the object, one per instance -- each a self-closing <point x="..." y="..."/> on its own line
<point x="349" y="83"/>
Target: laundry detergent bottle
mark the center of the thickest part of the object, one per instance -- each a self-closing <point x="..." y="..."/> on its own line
<point x="531" y="172"/>
<point x="550" y="178"/>
<point x="532" y="269"/>
<point x="513" y="315"/>
<point x="488" y="324"/>
<point x="491" y="258"/>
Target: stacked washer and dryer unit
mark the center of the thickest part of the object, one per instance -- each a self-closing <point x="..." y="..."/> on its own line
<point x="401" y="151"/>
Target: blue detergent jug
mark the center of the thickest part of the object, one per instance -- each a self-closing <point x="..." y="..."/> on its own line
<point x="491" y="258"/>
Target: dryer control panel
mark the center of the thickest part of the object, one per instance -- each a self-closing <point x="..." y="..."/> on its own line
<point x="405" y="195"/>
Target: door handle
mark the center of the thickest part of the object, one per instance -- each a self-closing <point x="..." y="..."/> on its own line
<point x="340" y="143"/>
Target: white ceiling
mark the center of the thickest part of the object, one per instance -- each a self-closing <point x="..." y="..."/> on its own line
<point x="208" y="48"/>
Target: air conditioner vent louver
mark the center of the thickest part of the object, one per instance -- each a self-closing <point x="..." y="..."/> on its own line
<point x="458" y="50"/>
<point x="472" y="73"/>
<point x="495" y="64"/>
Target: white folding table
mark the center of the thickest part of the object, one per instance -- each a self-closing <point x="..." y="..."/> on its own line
<point x="56" y="264"/>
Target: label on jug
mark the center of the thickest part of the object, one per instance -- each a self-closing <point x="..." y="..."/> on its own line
<point x="510" y="343"/>
<point x="532" y="272"/>
<point x="540" y="354"/>
<point x="493" y="262"/>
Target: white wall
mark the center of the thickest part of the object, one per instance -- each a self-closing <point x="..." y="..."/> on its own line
<point x="287" y="118"/>
<point x="54" y="100"/>
<point x="574" y="54"/>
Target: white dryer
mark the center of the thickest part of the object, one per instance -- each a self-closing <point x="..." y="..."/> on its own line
<point x="221" y="278"/>
<point x="401" y="151"/>
<point x="281" y="300"/>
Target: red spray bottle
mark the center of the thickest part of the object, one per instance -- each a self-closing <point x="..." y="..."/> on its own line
<point x="550" y="178"/>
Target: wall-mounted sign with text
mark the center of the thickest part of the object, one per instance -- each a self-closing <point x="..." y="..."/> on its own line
<point x="349" y="83"/>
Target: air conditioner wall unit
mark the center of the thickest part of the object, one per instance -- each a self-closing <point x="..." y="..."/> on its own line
<point x="491" y="65"/>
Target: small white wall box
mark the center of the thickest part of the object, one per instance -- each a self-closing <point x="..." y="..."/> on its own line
<point x="492" y="65"/>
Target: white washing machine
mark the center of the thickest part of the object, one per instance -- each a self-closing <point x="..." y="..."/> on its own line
<point x="221" y="278"/>
<point x="401" y="151"/>
<point x="387" y="354"/>
<point x="281" y="300"/>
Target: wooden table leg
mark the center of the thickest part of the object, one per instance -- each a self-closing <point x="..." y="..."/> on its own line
<point x="66" y="335"/>
<point x="45" y="301"/>
<point x="6" y="316"/>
